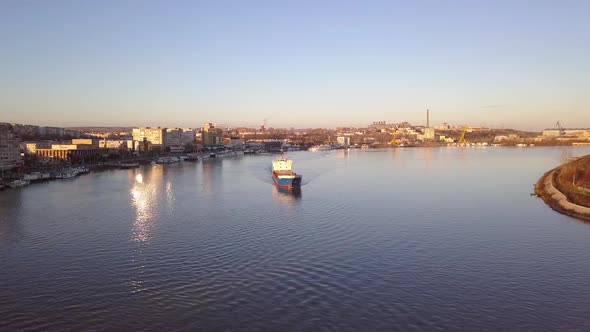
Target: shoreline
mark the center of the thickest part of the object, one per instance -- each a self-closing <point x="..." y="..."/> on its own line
<point x="557" y="200"/>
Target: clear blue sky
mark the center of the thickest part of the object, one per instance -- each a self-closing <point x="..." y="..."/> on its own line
<point x="523" y="64"/>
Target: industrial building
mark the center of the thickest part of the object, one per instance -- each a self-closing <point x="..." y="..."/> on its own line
<point x="572" y="132"/>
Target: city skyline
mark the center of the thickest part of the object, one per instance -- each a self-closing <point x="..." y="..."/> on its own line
<point x="304" y="64"/>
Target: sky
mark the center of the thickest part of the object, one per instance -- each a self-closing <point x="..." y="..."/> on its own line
<point x="511" y="64"/>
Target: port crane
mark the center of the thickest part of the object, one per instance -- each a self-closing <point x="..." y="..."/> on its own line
<point x="462" y="139"/>
<point x="560" y="128"/>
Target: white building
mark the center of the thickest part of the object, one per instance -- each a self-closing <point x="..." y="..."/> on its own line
<point x="343" y="141"/>
<point x="428" y="134"/>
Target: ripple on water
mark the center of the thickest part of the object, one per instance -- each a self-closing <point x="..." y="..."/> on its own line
<point x="369" y="245"/>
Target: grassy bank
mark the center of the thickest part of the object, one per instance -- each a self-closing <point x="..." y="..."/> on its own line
<point x="573" y="180"/>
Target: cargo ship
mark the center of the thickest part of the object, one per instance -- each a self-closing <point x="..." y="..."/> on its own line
<point x="283" y="175"/>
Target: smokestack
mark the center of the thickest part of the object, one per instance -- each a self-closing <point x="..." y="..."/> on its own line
<point x="427" y="118"/>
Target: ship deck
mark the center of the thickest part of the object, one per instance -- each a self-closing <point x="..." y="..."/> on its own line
<point x="284" y="172"/>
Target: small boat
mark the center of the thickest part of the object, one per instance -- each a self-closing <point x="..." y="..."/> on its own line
<point x="68" y="174"/>
<point x="167" y="160"/>
<point x="283" y="175"/>
<point x="35" y="176"/>
<point x="322" y="147"/>
<point x="18" y="184"/>
<point x="192" y="157"/>
<point x="129" y="165"/>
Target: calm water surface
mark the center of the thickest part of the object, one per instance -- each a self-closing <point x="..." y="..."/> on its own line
<point x="406" y="239"/>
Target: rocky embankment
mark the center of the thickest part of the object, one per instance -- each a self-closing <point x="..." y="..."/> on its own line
<point x="561" y="200"/>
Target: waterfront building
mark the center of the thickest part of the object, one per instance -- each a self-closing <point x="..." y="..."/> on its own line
<point x="85" y="141"/>
<point x="273" y="146"/>
<point x="10" y="157"/>
<point x="156" y="136"/>
<point x="71" y="152"/>
<point x="31" y="147"/>
<point x="188" y="136"/>
<point x="116" y="144"/>
<point x="235" y="141"/>
<point x="212" y="135"/>
<point x="174" y="137"/>
<point x="343" y="141"/>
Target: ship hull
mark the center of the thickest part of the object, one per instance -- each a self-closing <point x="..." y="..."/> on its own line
<point x="293" y="181"/>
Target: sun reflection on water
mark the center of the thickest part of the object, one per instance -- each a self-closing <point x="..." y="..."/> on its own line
<point x="143" y="199"/>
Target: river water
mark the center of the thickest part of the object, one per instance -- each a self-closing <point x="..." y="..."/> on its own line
<point x="404" y="239"/>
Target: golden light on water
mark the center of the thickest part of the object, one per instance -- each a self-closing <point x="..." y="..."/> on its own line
<point x="143" y="200"/>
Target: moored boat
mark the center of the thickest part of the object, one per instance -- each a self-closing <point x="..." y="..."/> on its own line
<point x="192" y="157"/>
<point x="321" y="147"/>
<point x="68" y="174"/>
<point x="35" y="176"/>
<point x="129" y="165"/>
<point x="167" y="160"/>
<point x="18" y="183"/>
<point x="283" y="175"/>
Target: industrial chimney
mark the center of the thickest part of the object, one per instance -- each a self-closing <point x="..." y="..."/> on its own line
<point x="427" y="118"/>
